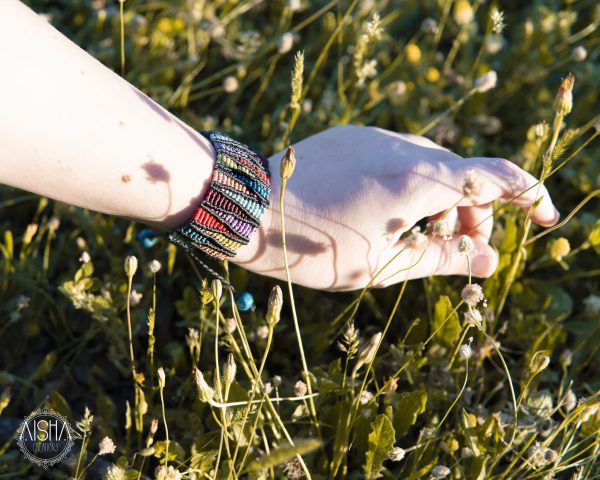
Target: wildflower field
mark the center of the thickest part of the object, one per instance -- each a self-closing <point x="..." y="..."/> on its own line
<point x="165" y="373"/>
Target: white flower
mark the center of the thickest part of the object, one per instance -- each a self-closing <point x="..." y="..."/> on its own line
<point x="592" y="303"/>
<point x="135" y="297"/>
<point x="106" y="446"/>
<point x="267" y="388"/>
<point x="154" y="266"/>
<point x="295" y="5"/>
<point x="440" y="471"/>
<point x="473" y="318"/>
<point x="114" y="472"/>
<point x="570" y="401"/>
<point x="85" y="257"/>
<point x="262" y="332"/>
<point x="396" y="454"/>
<point x="579" y="54"/>
<point x="471" y="186"/>
<point x="285" y="42"/>
<point x="365" y="397"/>
<point x="486" y="82"/>
<point x="230" y="84"/>
<point x="465" y="245"/>
<point x="163" y="472"/>
<point x="230" y="325"/>
<point x="465" y="351"/>
<point x="416" y="240"/>
<point x="472" y="294"/>
<point x="300" y="388"/>
<point x="442" y="228"/>
<point x="497" y="18"/>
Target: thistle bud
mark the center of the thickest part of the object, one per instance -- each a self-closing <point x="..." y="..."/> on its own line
<point x="229" y="370"/>
<point x="131" y="264"/>
<point x="161" y="377"/>
<point x="216" y="289"/>
<point x="563" y="103"/>
<point x="288" y="163"/>
<point x="275" y="304"/>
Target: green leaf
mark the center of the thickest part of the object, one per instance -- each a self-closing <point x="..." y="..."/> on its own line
<point x="282" y="454"/>
<point x="381" y="441"/>
<point x="408" y="406"/>
<point x="445" y="323"/>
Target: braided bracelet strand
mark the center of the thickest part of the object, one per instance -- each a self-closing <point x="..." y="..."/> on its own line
<point x="230" y="212"/>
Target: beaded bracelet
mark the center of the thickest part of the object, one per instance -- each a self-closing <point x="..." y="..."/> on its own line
<point x="230" y="212"/>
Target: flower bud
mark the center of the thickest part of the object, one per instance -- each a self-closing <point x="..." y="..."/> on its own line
<point x="288" y="163"/>
<point x="216" y="289"/>
<point x="206" y="393"/>
<point x="539" y="362"/>
<point x="131" y="264"/>
<point x="229" y="370"/>
<point x="274" y="307"/>
<point x="161" y="377"/>
<point x="563" y="103"/>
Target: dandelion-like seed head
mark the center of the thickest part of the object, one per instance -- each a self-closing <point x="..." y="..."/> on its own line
<point x="465" y="245"/>
<point x="131" y="265"/>
<point x="465" y="351"/>
<point x="293" y="469"/>
<point x="471" y="186"/>
<point x="417" y="240"/>
<point x="267" y="388"/>
<point x="442" y="229"/>
<point x="154" y="266"/>
<point x="472" y="294"/>
<point x="397" y="454"/>
<point x="486" y="82"/>
<point x="262" y="332"/>
<point x="106" y="446"/>
<point x="300" y="388"/>
<point x="164" y="472"/>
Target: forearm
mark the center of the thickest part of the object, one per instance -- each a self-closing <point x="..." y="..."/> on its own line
<point x="73" y="130"/>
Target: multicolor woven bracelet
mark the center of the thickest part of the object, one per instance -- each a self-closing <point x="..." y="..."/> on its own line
<point x="237" y="198"/>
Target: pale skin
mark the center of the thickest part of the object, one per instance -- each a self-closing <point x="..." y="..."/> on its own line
<point x="73" y="130"/>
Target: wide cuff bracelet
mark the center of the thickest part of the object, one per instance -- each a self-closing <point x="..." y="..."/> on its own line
<point x="231" y="209"/>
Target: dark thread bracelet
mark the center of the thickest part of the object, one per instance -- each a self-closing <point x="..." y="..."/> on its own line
<point x="231" y="210"/>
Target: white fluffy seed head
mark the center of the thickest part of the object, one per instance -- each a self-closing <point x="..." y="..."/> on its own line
<point x="154" y="266"/>
<point x="465" y="245"/>
<point x="397" y="454"/>
<point x="300" y="388"/>
<point x="230" y="84"/>
<point x="486" y="82"/>
<point x="472" y="294"/>
<point x="106" y="447"/>
<point x="465" y="351"/>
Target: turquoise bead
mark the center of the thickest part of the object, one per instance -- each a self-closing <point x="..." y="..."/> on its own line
<point x="245" y="301"/>
<point x="147" y="238"/>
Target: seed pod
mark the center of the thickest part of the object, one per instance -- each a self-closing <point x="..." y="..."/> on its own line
<point x="288" y="163"/>
<point x="275" y="304"/>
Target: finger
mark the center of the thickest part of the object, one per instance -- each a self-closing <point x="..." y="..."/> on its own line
<point x="439" y="257"/>
<point x="476" y="221"/>
<point x="500" y="178"/>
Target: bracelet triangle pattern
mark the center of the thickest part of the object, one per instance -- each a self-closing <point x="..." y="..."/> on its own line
<point x="231" y="210"/>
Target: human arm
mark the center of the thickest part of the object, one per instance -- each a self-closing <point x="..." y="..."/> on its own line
<point x="73" y="130"/>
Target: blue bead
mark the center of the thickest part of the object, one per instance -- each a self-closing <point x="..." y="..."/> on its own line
<point x="245" y="301"/>
<point x="147" y="238"/>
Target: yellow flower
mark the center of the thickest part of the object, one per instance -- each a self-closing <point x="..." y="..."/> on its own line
<point x="559" y="248"/>
<point x="432" y="75"/>
<point x="463" y="12"/>
<point x="413" y="53"/>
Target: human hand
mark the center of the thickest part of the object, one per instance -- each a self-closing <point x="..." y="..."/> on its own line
<point x="356" y="190"/>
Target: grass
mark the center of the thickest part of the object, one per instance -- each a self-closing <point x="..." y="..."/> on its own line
<point x="406" y="382"/>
